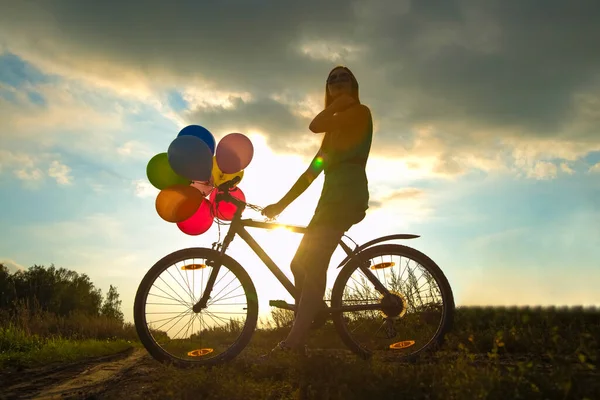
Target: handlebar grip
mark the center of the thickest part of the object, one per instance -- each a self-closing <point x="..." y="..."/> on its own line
<point x="226" y="186"/>
<point x="228" y="198"/>
<point x="236" y="180"/>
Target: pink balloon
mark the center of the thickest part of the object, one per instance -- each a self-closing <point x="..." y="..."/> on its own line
<point x="205" y="187"/>
<point x="225" y="210"/>
<point x="198" y="223"/>
<point x="234" y="153"/>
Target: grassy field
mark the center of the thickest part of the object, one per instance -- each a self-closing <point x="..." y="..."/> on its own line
<point x="31" y="337"/>
<point x="19" y="350"/>
<point x="492" y="353"/>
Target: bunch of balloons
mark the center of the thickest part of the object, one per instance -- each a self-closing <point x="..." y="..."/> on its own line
<point x="189" y="173"/>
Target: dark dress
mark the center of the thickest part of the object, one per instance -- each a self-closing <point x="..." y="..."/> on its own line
<point x="345" y="196"/>
<point x="344" y="200"/>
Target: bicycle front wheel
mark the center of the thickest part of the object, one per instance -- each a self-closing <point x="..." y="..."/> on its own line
<point x="169" y="328"/>
<point x="411" y="319"/>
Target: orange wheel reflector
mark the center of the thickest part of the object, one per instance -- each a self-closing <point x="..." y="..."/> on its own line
<point x="193" y="266"/>
<point x="402" y="345"/>
<point x="199" y="352"/>
<point x="383" y="265"/>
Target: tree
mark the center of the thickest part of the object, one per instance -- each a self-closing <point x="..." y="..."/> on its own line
<point x="7" y="287"/>
<point x="112" y="305"/>
<point x="58" y="291"/>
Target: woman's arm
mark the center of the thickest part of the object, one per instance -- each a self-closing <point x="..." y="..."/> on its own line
<point x="325" y="119"/>
<point x="313" y="171"/>
<point x="354" y="117"/>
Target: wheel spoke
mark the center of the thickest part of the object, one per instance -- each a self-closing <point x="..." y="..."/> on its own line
<point x="226" y="294"/>
<point x="187" y="284"/>
<point x="408" y="282"/>
<point x="171" y="319"/>
<point x="175" y="335"/>
<point x="181" y="298"/>
<point x="170" y="297"/>
<point x="220" y="291"/>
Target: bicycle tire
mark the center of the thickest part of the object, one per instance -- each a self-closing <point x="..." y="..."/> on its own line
<point x="401" y="250"/>
<point x="144" y="334"/>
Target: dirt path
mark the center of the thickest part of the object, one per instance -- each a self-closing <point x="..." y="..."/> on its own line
<point x="121" y="375"/>
<point x="132" y="375"/>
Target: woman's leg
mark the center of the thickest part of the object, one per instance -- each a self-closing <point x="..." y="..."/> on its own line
<point x="315" y="253"/>
<point x="297" y="267"/>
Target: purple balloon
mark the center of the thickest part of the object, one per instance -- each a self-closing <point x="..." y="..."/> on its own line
<point x="191" y="158"/>
<point x="234" y="153"/>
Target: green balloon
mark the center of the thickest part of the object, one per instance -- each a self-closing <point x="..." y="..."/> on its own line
<point x="161" y="175"/>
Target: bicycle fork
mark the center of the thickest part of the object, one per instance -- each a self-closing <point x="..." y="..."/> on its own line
<point x="216" y="267"/>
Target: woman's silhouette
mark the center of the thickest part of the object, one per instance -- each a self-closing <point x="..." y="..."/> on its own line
<point x="348" y="128"/>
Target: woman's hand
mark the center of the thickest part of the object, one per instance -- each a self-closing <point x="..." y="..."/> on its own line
<point x="342" y="102"/>
<point x="273" y="210"/>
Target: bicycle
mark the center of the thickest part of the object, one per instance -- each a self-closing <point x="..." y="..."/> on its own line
<point x="391" y="304"/>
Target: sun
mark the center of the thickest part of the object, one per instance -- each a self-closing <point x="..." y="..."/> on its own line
<point x="280" y="229"/>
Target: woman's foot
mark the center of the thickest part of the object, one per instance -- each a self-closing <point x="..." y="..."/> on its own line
<point x="321" y="318"/>
<point x="283" y="348"/>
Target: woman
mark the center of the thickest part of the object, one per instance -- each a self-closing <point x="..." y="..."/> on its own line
<point x="348" y="127"/>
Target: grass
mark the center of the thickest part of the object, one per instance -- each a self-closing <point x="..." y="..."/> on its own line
<point x="19" y="350"/>
<point x="492" y="353"/>
<point x="31" y="337"/>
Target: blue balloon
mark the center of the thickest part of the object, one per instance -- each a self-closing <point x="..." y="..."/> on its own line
<point x="191" y="158"/>
<point x="201" y="133"/>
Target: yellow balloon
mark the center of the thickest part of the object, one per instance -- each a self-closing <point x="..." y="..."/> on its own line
<point x="219" y="177"/>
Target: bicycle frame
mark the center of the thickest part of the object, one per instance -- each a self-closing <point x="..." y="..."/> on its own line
<point x="238" y="227"/>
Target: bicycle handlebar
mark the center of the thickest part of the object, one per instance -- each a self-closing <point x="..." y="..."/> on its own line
<point x="226" y="186"/>
<point x="224" y="194"/>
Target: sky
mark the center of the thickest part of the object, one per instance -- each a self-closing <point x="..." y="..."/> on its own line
<point x="486" y="141"/>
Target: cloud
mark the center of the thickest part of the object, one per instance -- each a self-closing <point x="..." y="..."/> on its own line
<point x="31" y="175"/>
<point x="406" y="206"/>
<point x="144" y="189"/>
<point x="12" y="266"/>
<point x="135" y="149"/>
<point x="595" y="168"/>
<point x="99" y="227"/>
<point x="23" y="166"/>
<point x="405" y="194"/>
<point x="543" y="170"/>
<point x="564" y="167"/>
<point x="486" y="79"/>
<point x="285" y="130"/>
<point x="60" y="172"/>
<point x="11" y="160"/>
<point x="32" y="170"/>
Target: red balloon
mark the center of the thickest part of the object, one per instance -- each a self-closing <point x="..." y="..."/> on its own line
<point x="200" y="222"/>
<point x="223" y="209"/>
<point x="234" y="153"/>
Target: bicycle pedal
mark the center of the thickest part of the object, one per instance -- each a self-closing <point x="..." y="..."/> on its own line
<point x="281" y="304"/>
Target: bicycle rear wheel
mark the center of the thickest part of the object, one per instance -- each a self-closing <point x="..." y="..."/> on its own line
<point x="411" y="320"/>
<point x="168" y="327"/>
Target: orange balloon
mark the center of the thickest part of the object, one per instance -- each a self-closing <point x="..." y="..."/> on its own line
<point x="178" y="202"/>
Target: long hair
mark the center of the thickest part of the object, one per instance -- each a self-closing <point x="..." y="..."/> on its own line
<point x="354" y="88"/>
